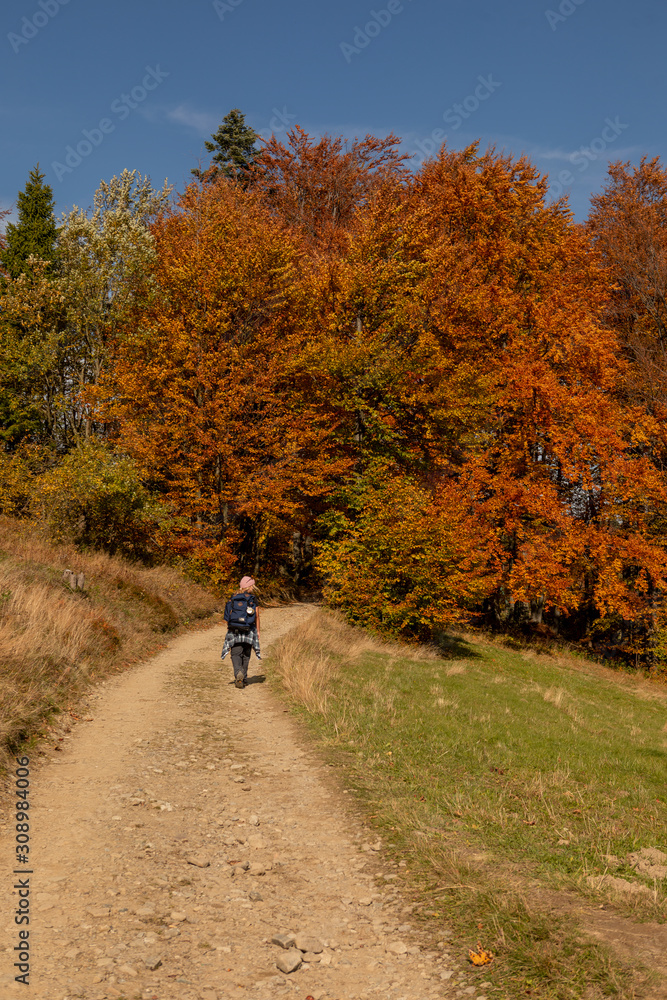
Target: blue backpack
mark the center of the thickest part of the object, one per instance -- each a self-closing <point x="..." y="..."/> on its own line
<point x="241" y="613"/>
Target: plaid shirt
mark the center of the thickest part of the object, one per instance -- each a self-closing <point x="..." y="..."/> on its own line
<point x="234" y="638"/>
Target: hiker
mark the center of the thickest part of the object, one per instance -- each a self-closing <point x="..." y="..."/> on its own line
<point x="242" y="620"/>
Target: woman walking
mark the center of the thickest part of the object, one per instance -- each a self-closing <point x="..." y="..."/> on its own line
<point x="242" y="620"/>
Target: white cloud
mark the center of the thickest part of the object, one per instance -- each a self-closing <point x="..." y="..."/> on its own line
<point x="565" y="155"/>
<point x="538" y="153"/>
<point x="203" y="122"/>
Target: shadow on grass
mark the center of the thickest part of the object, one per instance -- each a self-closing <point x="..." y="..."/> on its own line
<point x="453" y="647"/>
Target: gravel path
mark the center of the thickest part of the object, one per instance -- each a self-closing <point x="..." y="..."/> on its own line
<point x="184" y="827"/>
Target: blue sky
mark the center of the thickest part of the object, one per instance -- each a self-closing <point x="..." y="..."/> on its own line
<point x="572" y="84"/>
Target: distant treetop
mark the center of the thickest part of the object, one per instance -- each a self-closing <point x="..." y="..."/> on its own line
<point x="35" y="232"/>
<point x="234" y="148"/>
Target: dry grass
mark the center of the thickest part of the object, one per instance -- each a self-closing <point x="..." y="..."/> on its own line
<point x="304" y="660"/>
<point x="456" y="668"/>
<point x="54" y="641"/>
<point x="307" y="658"/>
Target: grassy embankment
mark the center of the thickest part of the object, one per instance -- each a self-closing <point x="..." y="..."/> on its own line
<point x="503" y="781"/>
<point x="54" y="642"/>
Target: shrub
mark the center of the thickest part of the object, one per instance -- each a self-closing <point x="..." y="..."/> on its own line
<point x="96" y="499"/>
<point x="18" y="476"/>
<point x="394" y="561"/>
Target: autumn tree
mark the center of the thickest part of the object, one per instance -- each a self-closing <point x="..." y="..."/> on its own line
<point x="482" y="362"/>
<point x="415" y="369"/>
<point x="628" y="226"/>
<point x="316" y="186"/>
<point x="400" y="557"/>
<point x="54" y="328"/>
<point x="202" y="382"/>
<point x="106" y="256"/>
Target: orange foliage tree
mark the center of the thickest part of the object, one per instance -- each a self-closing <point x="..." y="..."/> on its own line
<point x="628" y="226"/>
<point x="415" y="369"/>
<point x="319" y="187"/>
<point x="201" y="382"/>
<point x="486" y="365"/>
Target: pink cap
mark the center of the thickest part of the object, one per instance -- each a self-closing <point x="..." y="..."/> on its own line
<point x="246" y="583"/>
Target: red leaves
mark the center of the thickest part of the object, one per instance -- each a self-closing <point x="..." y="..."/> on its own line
<point x="317" y="187"/>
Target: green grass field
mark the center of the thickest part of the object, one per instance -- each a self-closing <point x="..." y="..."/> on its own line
<point x="506" y="780"/>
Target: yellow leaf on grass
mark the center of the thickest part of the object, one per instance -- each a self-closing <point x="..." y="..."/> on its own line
<point x="481" y="956"/>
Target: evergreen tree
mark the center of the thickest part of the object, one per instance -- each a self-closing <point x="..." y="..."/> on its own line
<point x="35" y="233"/>
<point x="234" y="148"/>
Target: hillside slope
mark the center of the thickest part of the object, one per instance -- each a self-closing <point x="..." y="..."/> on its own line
<point x="54" y="641"/>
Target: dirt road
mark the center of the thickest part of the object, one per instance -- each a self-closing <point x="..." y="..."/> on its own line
<point x="177" y="766"/>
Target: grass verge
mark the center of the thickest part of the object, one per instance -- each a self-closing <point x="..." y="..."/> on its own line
<point x="506" y="783"/>
<point x="54" y="642"/>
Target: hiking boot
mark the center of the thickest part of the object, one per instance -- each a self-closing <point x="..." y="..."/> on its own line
<point x="239" y="680"/>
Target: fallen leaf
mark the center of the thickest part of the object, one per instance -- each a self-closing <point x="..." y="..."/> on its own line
<point x="480" y="957"/>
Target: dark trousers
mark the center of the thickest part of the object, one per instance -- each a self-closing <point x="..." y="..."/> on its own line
<point x="241" y="658"/>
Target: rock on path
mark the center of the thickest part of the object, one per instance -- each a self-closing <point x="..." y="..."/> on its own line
<point x="185" y="845"/>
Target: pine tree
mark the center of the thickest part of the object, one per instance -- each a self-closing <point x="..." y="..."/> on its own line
<point x="35" y="233"/>
<point x="234" y="148"/>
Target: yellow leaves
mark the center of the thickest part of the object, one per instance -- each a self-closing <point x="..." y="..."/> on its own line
<point x="481" y="956"/>
<point x="412" y="574"/>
